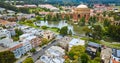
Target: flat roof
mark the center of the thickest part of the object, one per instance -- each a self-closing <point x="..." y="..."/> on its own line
<point x="94" y="44"/>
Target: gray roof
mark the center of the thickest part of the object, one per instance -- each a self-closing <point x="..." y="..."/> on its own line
<point x="94" y="44"/>
<point x="116" y="53"/>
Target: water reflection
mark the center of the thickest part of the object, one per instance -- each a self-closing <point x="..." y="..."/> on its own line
<point x="59" y="24"/>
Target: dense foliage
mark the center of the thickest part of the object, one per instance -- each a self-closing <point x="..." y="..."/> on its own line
<point x="7" y="57"/>
<point x="64" y="30"/>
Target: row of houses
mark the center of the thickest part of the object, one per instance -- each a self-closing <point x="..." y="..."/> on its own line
<point x="28" y="40"/>
<point x="47" y="6"/>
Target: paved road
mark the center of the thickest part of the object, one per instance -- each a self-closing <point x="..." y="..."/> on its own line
<point x="42" y="51"/>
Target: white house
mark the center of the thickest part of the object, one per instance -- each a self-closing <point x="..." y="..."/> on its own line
<point x="48" y="59"/>
<point x="76" y="42"/>
<point x="53" y="55"/>
<point x="115" y="57"/>
<point x="26" y="45"/>
<point x="24" y="36"/>
<point x="55" y="51"/>
<point x="5" y="33"/>
<point x="17" y="49"/>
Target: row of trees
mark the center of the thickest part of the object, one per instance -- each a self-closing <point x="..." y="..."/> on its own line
<point x="98" y="32"/>
<point x="57" y="17"/>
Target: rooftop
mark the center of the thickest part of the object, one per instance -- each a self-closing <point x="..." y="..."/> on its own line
<point x="116" y="53"/>
<point x="82" y="6"/>
<point x="94" y="44"/>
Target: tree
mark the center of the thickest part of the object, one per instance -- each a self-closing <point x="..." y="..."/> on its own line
<point x="38" y="18"/>
<point x="87" y="31"/>
<point x="84" y="58"/>
<point x="33" y="50"/>
<point x="70" y="32"/>
<point x="82" y="21"/>
<point x="28" y="60"/>
<point x="114" y="32"/>
<point x="76" y="52"/>
<point x="44" y="41"/>
<point x="44" y="27"/>
<point x="18" y="32"/>
<point x="64" y="30"/>
<point x="97" y="32"/>
<point x="7" y="57"/>
<point x="92" y="20"/>
<point x="106" y="22"/>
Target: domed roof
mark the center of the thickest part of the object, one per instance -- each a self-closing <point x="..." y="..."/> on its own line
<point x="82" y="6"/>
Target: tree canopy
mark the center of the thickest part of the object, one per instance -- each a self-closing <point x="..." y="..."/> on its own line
<point x="76" y="52"/>
<point x="64" y="30"/>
<point x="7" y="57"/>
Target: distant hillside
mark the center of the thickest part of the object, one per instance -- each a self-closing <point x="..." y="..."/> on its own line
<point x="70" y="2"/>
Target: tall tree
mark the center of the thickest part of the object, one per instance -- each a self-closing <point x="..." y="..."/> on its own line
<point x="64" y="30"/>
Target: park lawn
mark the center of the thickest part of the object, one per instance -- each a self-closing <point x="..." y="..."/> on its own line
<point x="54" y="30"/>
<point x="111" y="45"/>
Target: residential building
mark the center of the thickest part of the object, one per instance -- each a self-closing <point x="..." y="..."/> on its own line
<point x="49" y="35"/>
<point x="4" y="44"/>
<point x="63" y="42"/>
<point x="53" y="55"/>
<point x="48" y="6"/>
<point x="34" y="40"/>
<point x="5" y="33"/>
<point x="55" y="51"/>
<point x="17" y="49"/>
<point x="26" y="45"/>
<point x="12" y="31"/>
<point x="115" y="57"/>
<point x="76" y="42"/>
<point x="106" y="55"/>
<point x="93" y="48"/>
<point x="24" y="36"/>
<point x="48" y="59"/>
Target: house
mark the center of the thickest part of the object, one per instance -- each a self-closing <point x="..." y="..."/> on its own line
<point x="55" y="51"/>
<point x="4" y="42"/>
<point x="26" y="45"/>
<point x="12" y="31"/>
<point x="115" y="57"/>
<point x="17" y="49"/>
<point x="48" y="6"/>
<point x="93" y="48"/>
<point x="49" y="35"/>
<point x="63" y="42"/>
<point x="24" y="36"/>
<point x="75" y="42"/>
<point x="5" y="33"/>
<point x="7" y="23"/>
<point x="53" y="55"/>
<point x="2" y="10"/>
<point x="34" y="40"/>
<point x="48" y="59"/>
<point x="106" y="55"/>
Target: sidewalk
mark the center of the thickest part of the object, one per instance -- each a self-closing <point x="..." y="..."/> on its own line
<point x="21" y="59"/>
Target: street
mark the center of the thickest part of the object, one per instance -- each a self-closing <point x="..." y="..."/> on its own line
<point x="42" y="51"/>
